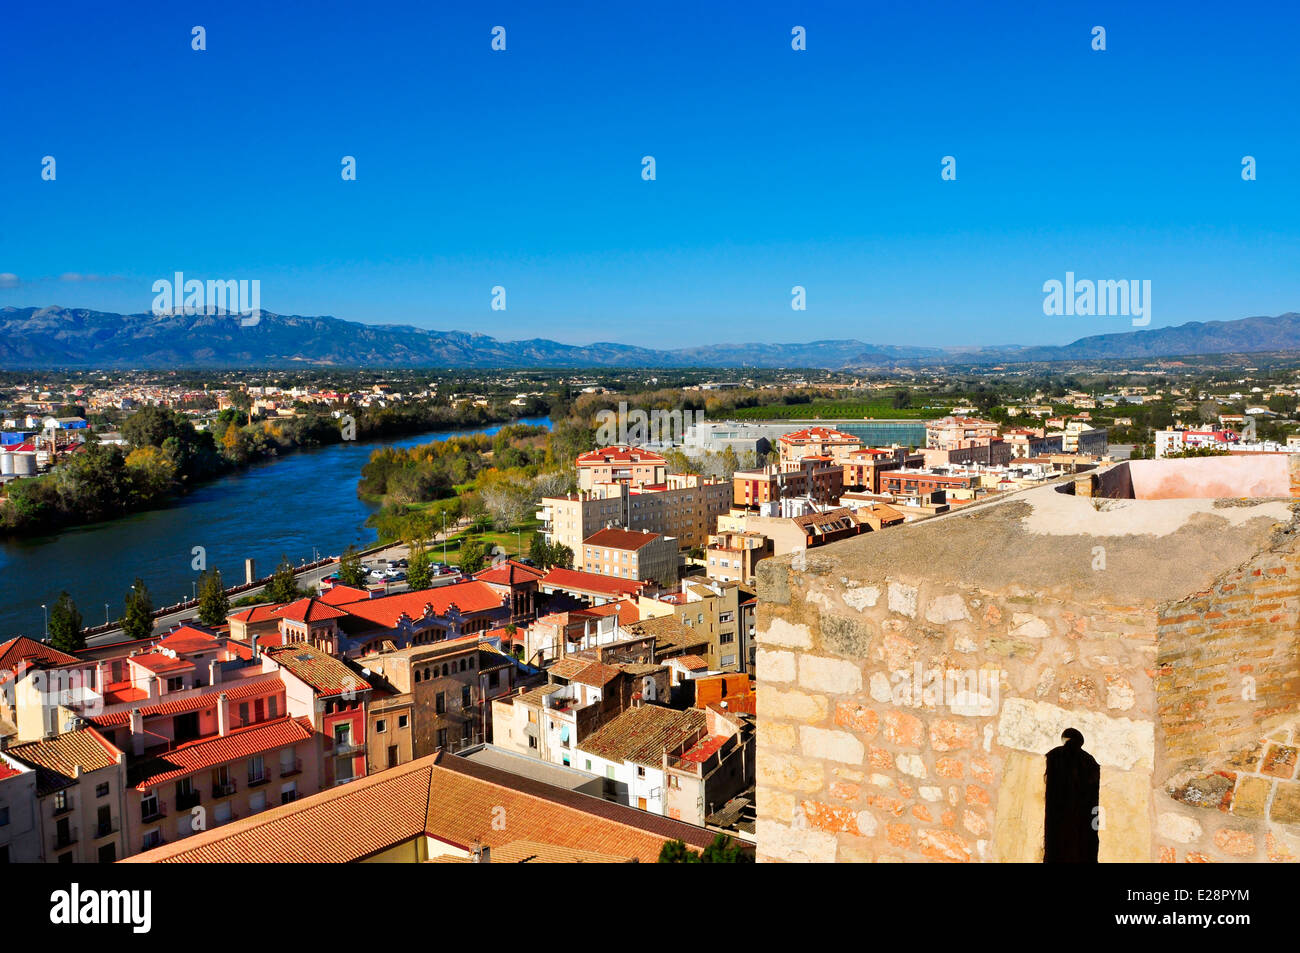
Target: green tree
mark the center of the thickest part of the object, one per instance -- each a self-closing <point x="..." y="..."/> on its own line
<point x="137" y="616"/>
<point x="472" y="555"/>
<point x="561" y="556"/>
<point x="283" y="587"/>
<point x="723" y="850"/>
<point x="65" y="625"/>
<point x="214" y="604"/>
<point x="351" y="572"/>
<point x="419" y="573"/>
<point x="539" y="552"/>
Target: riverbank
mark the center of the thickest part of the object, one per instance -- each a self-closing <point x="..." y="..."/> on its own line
<point x="170" y="459"/>
<point x="302" y="505"/>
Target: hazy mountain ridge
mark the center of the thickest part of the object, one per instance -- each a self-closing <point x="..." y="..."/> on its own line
<point x="80" y="337"/>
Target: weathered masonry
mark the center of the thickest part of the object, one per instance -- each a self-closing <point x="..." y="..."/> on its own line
<point x="911" y="682"/>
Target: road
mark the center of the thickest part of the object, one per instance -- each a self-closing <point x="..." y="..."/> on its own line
<point x="309" y="578"/>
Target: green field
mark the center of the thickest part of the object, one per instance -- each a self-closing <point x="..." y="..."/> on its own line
<point x="881" y="408"/>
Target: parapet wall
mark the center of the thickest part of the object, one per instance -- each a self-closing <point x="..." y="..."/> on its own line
<point x="912" y="680"/>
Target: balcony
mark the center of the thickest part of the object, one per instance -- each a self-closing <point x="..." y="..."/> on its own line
<point x="348" y="748"/>
<point x="255" y="781"/>
<point x="105" y="830"/>
<point x="150" y="814"/>
<point x="290" y="768"/>
<point x="187" y="800"/>
<point x="65" y="838"/>
<point x="223" y="790"/>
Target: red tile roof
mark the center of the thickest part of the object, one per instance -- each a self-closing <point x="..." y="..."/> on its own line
<point x="255" y="614"/>
<point x="325" y="674"/>
<point x="509" y="573"/>
<point x="269" y="683"/>
<point x="188" y="639"/>
<point x="340" y="594"/>
<point x="468" y="596"/>
<point x="159" y="663"/>
<point x="309" y="609"/>
<point x="207" y="753"/>
<point x="56" y="759"/>
<point x="819" y="434"/>
<point x="612" y="538"/>
<point x="618" y="454"/>
<point x="22" y="649"/>
<point x="626" y="611"/>
<point x="575" y="580"/>
<point x="448" y="798"/>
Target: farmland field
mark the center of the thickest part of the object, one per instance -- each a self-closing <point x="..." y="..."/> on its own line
<point x="881" y="409"/>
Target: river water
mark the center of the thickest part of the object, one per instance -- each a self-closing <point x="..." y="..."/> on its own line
<point x="285" y="506"/>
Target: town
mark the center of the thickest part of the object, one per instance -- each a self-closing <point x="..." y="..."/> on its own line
<point x="600" y="685"/>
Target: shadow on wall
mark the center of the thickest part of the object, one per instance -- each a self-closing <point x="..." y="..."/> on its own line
<point x="1072" y="802"/>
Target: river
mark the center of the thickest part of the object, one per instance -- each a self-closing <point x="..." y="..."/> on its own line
<point x="284" y="506"/>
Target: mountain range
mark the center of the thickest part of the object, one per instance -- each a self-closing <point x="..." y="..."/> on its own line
<point x="77" y="337"/>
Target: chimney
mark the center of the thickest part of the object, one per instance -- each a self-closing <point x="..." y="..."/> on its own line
<point x="137" y="732"/>
<point x="250" y="571"/>
<point x="153" y="688"/>
<point x="253" y="642"/>
<point x="214" y="672"/>
<point x="223" y="714"/>
<point x="100" y="680"/>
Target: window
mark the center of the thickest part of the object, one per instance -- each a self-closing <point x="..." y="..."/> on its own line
<point x="256" y="769"/>
<point x="381" y="726"/>
<point x="243" y="713"/>
<point x="257" y="801"/>
<point x="342" y="736"/>
<point x="4" y="816"/>
<point x="726" y="637"/>
<point x="175" y="684"/>
<point x="289" y="793"/>
<point x="149" y="806"/>
<point x="151" y="839"/>
<point x="440" y="703"/>
<point x="466" y="697"/>
<point x="272" y="709"/>
<point x="101" y="790"/>
<point x="401" y="721"/>
<point x="442" y="737"/>
<point x="494" y="679"/>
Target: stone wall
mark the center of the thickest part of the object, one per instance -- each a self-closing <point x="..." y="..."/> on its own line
<point x="912" y="680"/>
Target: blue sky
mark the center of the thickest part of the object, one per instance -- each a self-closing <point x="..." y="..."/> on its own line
<point x="774" y="168"/>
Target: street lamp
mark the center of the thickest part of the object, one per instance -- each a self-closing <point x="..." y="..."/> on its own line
<point x="444" y="537"/>
<point x="105" y="613"/>
<point x="47" y="622"/>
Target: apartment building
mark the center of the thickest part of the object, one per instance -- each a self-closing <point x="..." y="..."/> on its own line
<point x="817" y="442"/>
<point x="644" y="556"/>
<point x="630" y="752"/>
<point x="684" y="506"/>
<point x="72" y="787"/>
<point x="862" y="468"/>
<point x="954" y="432"/>
<point x="20" y="829"/>
<point x="175" y="792"/>
<point x="732" y="556"/>
<point x="447" y="687"/>
<point x="332" y="698"/>
<point x="711" y="612"/>
<point x="817" y="477"/>
<point x="629" y="466"/>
